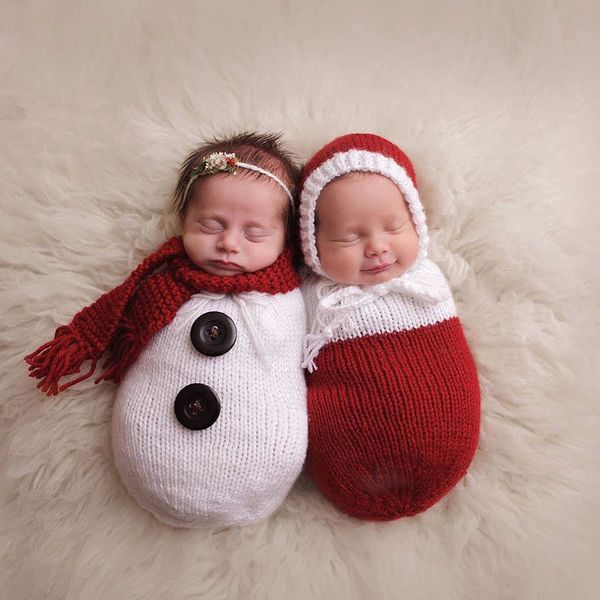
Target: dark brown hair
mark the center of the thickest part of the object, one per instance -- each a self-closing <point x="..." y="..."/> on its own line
<point x="264" y="150"/>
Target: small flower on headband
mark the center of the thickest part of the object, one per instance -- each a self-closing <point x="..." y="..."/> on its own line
<point x="216" y="162"/>
<point x="222" y="162"/>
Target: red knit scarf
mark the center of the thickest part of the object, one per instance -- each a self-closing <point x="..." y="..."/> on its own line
<point x="123" y="320"/>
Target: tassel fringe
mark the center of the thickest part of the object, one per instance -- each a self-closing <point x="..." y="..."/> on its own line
<point x="58" y="358"/>
<point x="65" y="354"/>
<point x="122" y="355"/>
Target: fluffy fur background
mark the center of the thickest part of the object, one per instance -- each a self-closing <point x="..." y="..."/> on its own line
<point x="496" y="103"/>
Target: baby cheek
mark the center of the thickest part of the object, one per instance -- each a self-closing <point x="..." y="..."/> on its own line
<point x="271" y="248"/>
<point x="324" y="251"/>
<point x="339" y="259"/>
<point x="411" y="247"/>
<point x="195" y="244"/>
<point x="273" y="245"/>
<point x="266" y="252"/>
<point x="188" y="242"/>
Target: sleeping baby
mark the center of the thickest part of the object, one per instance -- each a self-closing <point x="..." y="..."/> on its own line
<point x="205" y="340"/>
<point x="393" y="392"/>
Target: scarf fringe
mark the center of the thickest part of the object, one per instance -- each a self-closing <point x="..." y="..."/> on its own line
<point x="59" y="358"/>
<point x="65" y="354"/>
<point x="123" y="354"/>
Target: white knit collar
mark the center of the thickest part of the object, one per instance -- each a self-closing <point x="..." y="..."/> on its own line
<point x="335" y="302"/>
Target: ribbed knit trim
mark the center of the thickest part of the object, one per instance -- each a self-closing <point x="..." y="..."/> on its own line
<point x="343" y="163"/>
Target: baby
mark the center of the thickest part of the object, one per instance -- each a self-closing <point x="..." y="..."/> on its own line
<point x="393" y="393"/>
<point x="205" y="339"/>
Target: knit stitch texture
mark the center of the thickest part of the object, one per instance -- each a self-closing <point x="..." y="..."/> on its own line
<point x="241" y="468"/>
<point x="393" y="407"/>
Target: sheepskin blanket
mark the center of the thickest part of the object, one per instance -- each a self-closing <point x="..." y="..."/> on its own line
<point x="497" y="105"/>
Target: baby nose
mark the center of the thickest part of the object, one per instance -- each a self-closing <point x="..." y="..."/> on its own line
<point x="376" y="246"/>
<point x="229" y="241"/>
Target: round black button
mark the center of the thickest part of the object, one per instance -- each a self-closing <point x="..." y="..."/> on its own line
<point x="197" y="406"/>
<point x="213" y="333"/>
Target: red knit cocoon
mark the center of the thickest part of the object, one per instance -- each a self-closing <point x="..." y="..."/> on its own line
<point x="393" y="419"/>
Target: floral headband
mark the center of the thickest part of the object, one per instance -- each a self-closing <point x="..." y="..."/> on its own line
<point x="221" y="162"/>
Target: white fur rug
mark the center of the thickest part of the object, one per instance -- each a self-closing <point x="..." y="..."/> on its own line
<point x="496" y="103"/>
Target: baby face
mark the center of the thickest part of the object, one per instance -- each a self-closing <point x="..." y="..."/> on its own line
<point x="234" y="224"/>
<point x="365" y="233"/>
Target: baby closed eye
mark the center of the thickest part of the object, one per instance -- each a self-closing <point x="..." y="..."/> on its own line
<point x="257" y="234"/>
<point x="347" y="240"/>
<point x="210" y="226"/>
<point x="396" y="228"/>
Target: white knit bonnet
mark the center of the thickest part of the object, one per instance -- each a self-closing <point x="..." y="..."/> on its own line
<point x="364" y="152"/>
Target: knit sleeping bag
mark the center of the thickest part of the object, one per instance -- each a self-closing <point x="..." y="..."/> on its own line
<point x="209" y="424"/>
<point x="393" y="397"/>
<point x="241" y="468"/>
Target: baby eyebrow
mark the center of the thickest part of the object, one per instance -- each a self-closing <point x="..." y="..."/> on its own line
<point x="209" y="215"/>
<point x="343" y="230"/>
<point x="224" y="219"/>
<point x="259" y="225"/>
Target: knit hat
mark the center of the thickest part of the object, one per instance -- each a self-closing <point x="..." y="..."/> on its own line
<point x="364" y="152"/>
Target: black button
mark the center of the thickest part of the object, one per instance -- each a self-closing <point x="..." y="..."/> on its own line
<point x="197" y="406"/>
<point x="213" y="333"/>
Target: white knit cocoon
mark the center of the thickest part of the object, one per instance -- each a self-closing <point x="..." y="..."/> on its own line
<point x="241" y="468"/>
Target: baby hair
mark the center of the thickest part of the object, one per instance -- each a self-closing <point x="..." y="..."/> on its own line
<point x="264" y="150"/>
